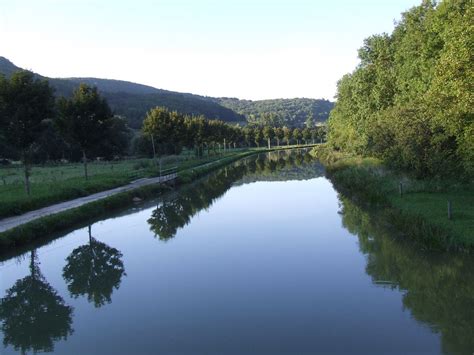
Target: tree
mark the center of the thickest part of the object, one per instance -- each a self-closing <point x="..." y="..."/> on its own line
<point x="84" y="120"/>
<point x="33" y="315"/>
<point x="306" y="134"/>
<point x="279" y="134"/>
<point x="94" y="270"/>
<point x="287" y="134"/>
<point x="248" y="136"/>
<point x="258" y="135"/>
<point x="268" y="134"/>
<point x="296" y="135"/>
<point x="25" y="102"/>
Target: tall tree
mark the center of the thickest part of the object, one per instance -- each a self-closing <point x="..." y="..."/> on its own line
<point x="296" y="135"/>
<point x="268" y="134"/>
<point x="287" y="134"/>
<point x="84" y="120"/>
<point x="25" y="102"/>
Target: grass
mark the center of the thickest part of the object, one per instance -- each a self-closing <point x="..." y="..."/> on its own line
<point x="421" y="210"/>
<point x="56" y="183"/>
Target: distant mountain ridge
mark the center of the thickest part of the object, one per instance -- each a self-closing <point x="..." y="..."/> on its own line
<point x="133" y="100"/>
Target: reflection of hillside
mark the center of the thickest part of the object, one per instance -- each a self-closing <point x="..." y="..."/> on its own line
<point x="177" y="209"/>
<point x="438" y="287"/>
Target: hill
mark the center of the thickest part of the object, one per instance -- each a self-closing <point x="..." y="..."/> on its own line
<point x="294" y="112"/>
<point x="133" y="100"/>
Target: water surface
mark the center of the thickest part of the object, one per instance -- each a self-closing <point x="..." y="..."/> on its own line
<point x="261" y="257"/>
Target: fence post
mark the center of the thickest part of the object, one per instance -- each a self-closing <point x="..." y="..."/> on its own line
<point x="450" y="210"/>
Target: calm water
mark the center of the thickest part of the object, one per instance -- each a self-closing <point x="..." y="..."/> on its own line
<point x="262" y="257"/>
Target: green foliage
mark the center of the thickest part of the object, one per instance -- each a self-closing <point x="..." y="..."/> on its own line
<point x="25" y="102"/>
<point x="133" y="101"/>
<point x="409" y="101"/>
<point x="280" y="112"/>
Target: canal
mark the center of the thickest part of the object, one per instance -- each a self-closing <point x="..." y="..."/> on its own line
<point x="261" y="257"/>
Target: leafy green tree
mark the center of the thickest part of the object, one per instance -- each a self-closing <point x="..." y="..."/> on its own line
<point x="84" y="120"/>
<point x="249" y="135"/>
<point x="296" y="135"/>
<point x="268" y="134"/>
<point x="279" y="134"/>
<point x="25" y="102"/>
<point x="287" y="134"/>
<point x="306" y="135"/>
<point x="258" y="135"/>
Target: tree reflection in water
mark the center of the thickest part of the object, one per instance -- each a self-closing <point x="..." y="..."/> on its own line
<point x="438" y="287"/>
<point x="177" y="210"/>
<point x="33" y="315"/>
<point x="95" y="270"/>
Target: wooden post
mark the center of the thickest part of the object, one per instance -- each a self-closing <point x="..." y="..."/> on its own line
<point x="400" y="189"/>
<point x="269" y="146"/>
<point x="450" y="210"/>
<point x="224" y="146"/>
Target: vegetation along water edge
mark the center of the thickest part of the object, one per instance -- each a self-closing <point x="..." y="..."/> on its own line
<point x="437" y="213"/>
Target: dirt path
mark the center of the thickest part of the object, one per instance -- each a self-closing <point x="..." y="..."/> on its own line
<point x="15" y="221"/>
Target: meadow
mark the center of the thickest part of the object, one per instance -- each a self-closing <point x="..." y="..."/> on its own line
<point x="53" y="183"/>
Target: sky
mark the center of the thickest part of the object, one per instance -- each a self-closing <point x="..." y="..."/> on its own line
<point x="250" y="49"/>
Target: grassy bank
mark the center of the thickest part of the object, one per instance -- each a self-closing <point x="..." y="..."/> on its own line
<point x="42" y="228"/>
<point x="57" y="183"/>
<point x="419" y="212"/>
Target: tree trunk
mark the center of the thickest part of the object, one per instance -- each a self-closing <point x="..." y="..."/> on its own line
<point x="27" y="177"/>
<point x="84" y="160"/>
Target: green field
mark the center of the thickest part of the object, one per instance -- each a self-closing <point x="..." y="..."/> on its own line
<point x="55" y="183"/>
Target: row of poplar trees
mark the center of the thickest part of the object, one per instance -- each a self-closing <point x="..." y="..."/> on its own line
<point x="167" y="132"/>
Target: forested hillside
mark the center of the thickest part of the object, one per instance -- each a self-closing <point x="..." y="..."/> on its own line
<point x="410" y="100"/>
<point x="133" y="100"/>
<point x="291" y="112"/>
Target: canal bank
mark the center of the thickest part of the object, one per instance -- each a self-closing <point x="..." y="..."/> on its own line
<point x="437" y="214"/>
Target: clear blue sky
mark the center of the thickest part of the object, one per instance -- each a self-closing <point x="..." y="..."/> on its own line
<point x="250" y="49"/>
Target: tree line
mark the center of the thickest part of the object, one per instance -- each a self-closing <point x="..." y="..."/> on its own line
<point x="167" y="132"/>
<point x="410" y="100"/>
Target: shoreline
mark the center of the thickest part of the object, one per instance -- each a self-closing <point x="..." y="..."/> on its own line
<point x="414" y="209"/>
